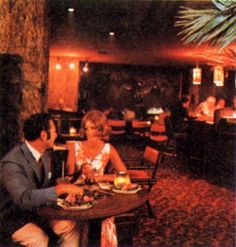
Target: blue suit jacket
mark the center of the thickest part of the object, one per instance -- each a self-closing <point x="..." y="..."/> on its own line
<point x="21" y="188"/>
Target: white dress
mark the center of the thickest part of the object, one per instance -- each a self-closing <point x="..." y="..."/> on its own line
<point x="99" y="163"/>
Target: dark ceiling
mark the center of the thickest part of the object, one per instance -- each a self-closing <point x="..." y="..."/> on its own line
<point x="144" y="32"/>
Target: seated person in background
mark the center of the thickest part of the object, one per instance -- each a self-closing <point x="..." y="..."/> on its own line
<point x="24" y="186"/>
<point x="207" y="107"/>
<point x="234" y="104"/>
<point x="128" y="114"/>
<point x="62" y="106"/>
<point x="179" y="115"/>
<point x="92" y="156"/>
<point x="220" y="104"/>
<point x="222" y="112"/>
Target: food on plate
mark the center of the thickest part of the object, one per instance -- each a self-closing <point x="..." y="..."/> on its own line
<point x="127" y="187"/>
<point x="75" y="200"/>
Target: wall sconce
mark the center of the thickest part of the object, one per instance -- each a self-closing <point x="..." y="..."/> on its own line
<point x="71" y="66"/>
<point x="197" y="76"/>
<point x="219" y="76"/>
<point x="86" y="67"/>
<point x="57" y="66"/>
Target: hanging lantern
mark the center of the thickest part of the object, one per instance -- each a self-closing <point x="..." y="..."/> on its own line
<point x="219" y="76"/>
<point x="197" y="76"/>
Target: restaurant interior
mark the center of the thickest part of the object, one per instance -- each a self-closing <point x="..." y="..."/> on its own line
<point x="128" y="59"/>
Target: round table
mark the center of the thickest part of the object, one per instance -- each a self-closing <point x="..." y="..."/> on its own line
<point x="107" y="206"/>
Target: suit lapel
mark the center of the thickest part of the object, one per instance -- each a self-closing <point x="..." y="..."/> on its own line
<point x="32" y="165"/>
<point x="46" y="168"/>
<point x="31" y="162"/>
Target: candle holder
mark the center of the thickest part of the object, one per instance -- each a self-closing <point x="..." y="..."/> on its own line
<point x="121" y="179"/>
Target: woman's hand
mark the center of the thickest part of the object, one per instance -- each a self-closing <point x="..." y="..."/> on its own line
<point x="88" y="172"/>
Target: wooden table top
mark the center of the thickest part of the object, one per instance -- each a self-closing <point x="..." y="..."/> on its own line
<point x="105" y="207"/>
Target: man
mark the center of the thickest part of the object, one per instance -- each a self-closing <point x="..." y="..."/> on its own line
<point x="62" y="106"/>
<point x="207" y="107"/>
<point x="24" y="185"/>
<point x="180" y="115"/>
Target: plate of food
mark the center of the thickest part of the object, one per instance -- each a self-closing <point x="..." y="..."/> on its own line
<point x="127" y="188"/>
<point x="76" y="203"/>
<point x="105" y="186"/>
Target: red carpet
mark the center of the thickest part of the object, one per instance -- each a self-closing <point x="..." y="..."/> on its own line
<point x="191" y="209"/>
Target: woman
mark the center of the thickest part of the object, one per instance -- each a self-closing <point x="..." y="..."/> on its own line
<point x="91" y="157"/>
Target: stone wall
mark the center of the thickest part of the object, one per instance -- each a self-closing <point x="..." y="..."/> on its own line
<point x="24" y="34"/>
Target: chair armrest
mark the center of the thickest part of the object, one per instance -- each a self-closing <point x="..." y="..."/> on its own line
<point x="143" y="181"/>
<point x="138" y="167"/>
<point x="129" y="160"/>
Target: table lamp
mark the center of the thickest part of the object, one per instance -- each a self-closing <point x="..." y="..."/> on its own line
<point x="72" y="130"/>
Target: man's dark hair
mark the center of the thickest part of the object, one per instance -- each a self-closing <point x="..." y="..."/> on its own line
<point x="35" y="124"/>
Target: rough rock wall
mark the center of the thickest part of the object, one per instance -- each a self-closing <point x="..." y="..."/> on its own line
<point x="24" y="33"/>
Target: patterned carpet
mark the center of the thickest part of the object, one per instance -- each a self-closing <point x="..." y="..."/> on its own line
<point x="191" y="207"/>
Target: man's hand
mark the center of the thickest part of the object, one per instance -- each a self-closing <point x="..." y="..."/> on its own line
<point x="68" y="189"/>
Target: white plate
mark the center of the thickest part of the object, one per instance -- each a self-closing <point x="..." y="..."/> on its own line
<point x="78" y="207"/>
<point x="105" y="186"/>
<point x="127" y="191"/>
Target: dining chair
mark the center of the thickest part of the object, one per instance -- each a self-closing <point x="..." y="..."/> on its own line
<point x="141" y="127"/>
<point x="117" y="128"/>
<point x="174" y="138"/>
<point x="158" y="137"/>
<point x="140" y="132"/>
<point x="144" y="173"/>
<point x="58" y="156"/>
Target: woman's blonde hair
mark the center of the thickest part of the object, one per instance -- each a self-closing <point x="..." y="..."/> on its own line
<point x="98" y="119"/>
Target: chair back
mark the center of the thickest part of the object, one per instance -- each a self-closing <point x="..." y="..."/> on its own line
<point x="158" y="137"/>
<point x="116" y="123"/>
<point x="117" y="127"/>
<point x="141" y="127"/>
<point x="158" y="128"/>
<point x="140" y="123"/>
<point x="58" y="157"/>
<point x="145" y="173"/>
<point x="151" y="155"/>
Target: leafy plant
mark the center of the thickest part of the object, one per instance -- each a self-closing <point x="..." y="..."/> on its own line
<point x="216" y="26"/>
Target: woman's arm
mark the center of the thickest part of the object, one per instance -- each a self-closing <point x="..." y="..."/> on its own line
<point x="116" y="160"/>
<point x="71" y="158"/>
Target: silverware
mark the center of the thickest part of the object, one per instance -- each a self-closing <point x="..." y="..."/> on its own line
<point x="105" y="192"/>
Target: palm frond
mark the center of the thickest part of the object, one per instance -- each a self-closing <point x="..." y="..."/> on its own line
<point x="223" y="4"/>
<point x="216" y="26"/>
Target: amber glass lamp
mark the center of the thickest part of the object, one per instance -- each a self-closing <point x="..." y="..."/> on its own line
<point x="121" y="179"/>
<point x="219" y="76"/>
<point x="197" y="76"/>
